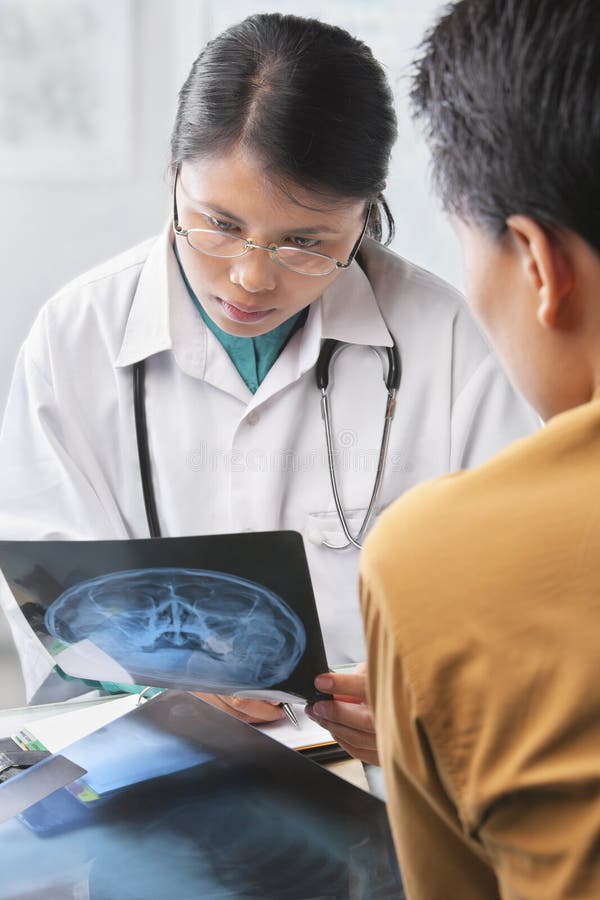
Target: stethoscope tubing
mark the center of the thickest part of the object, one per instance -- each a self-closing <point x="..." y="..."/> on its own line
<point x="392" y="379"/>
<point x="141" y="433"/>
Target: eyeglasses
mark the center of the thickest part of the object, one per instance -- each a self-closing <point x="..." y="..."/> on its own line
<point x="213" y="242"/>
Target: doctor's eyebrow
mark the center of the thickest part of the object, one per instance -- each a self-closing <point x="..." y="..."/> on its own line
<point x="311" y="229"/>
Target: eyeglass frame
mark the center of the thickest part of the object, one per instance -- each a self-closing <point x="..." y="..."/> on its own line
<point x="272" y="248"/>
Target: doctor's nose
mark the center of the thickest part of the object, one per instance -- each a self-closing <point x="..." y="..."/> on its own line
<point x="254" y="272"/>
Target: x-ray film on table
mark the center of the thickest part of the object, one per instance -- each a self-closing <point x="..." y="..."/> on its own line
<point x="229" y="614"/>
<point x="179" y="799"/>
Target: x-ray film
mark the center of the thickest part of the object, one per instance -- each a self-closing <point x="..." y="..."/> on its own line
<point x="199" y="806"/>
<point x="229" y="614"/>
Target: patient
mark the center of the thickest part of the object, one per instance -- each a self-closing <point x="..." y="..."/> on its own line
<point x="481" y="590"/>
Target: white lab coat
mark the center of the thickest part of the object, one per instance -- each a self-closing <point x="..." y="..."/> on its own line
<point x="223" y="459"/>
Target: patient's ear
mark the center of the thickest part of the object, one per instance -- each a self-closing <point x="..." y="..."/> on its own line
<point x="547" y="266"/>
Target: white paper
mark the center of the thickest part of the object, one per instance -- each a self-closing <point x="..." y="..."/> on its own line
<point x="308" y="734"/>
<point x="57" y="732"/>
<point x="15" y="718"/>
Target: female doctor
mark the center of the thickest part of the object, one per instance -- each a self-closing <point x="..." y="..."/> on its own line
<point x="280" y="153"/>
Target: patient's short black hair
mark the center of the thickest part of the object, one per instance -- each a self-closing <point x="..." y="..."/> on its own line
<point x="509" y="92"/>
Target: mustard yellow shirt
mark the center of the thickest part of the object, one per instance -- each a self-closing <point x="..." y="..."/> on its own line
<point x="481" y="599"/>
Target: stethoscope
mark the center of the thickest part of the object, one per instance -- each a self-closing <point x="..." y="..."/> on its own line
<point x="329" y="350"/>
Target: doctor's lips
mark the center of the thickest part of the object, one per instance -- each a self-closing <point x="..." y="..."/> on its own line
<point x="241" y="314"/>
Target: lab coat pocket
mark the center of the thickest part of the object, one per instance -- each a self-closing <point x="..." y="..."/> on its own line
<point x="325" y="527"/>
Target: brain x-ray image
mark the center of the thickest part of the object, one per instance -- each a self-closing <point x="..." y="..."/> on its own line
<point x="216" y="613"/>
<point x="183" y="625"/>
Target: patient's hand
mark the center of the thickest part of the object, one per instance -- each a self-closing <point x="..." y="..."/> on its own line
<point x="348" y="716"/>
<point x="253" y="711"/>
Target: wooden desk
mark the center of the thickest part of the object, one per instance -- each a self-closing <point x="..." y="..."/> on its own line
<point x="350" y="770"/>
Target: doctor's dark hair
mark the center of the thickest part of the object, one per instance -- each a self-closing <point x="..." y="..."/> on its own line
<point x="307" y="98"/>
<point x="509" y="92"/>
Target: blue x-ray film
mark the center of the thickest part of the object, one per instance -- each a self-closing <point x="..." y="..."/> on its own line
<point x="184" y="627"/>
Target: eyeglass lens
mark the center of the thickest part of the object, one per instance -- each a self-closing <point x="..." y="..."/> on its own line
<point x="227" y="246"/>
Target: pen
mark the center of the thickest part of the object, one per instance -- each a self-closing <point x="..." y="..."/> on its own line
<point x="287" y="708"/>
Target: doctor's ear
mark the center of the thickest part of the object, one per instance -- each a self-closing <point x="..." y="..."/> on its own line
<point x="548" y="267"/>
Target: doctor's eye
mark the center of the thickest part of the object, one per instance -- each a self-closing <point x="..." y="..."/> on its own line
<point x="220" y="224"/>
<point x="303" y="242"/>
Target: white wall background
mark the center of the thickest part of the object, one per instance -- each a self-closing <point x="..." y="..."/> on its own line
<point x="62" y="210"/>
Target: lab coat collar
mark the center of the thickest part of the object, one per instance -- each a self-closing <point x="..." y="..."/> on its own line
<point x="148" y="328"/>
<point x="350" y="311"/>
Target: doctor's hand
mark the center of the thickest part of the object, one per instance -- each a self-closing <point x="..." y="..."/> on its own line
<point x="348" y="716"/>
<point x="256" y="712"/>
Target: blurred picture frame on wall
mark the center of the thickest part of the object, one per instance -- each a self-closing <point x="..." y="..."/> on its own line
<point x="66" y="101"/>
